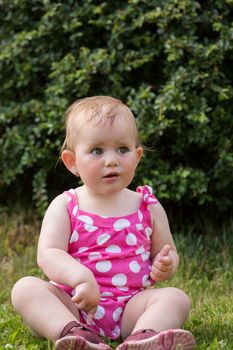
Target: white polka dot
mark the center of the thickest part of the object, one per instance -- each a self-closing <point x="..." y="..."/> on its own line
<point x="103" y="266"/>
<point x="103" y="238"/>
<point x="148" y="232"/>
<point x="94" y="256"/>
<point x="134" y="266"/>
<point x="145" y="256"/>
<point x="131" y="239"/>
<point x="119" y="280"/>
<point x="140" y="250"/>
<point x="99" y="313"/>
<point x="90" y="228"/>
<point x="107" y="294"/>
<point x="113" y="249"/>
<point x="82" y="249"/>
<point x="145" y="281"/>
<point x="123" y="298"/>
<point x="116" y="332"/>
<point x="121" y="223"/>
<point x="86" y="219"/>
<point x="125" y="289"/>
<point x="117" y="313"/>
<point x="139" y="227"/>
<point x="75" y="210"/>
<point x="140" y="216"/>
<point x="74" y="237"/>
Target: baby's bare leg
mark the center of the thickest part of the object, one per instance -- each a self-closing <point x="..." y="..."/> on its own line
<point x="45" y="308"/>
<point x="158" y="309"/>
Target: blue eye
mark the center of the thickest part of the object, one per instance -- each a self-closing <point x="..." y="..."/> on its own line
<point x="97" y="151"/>
<point x="123" y="149"/>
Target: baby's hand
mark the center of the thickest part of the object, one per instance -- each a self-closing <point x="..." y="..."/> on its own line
<point x="87" y="296"/>
<point x="162" y="265"/>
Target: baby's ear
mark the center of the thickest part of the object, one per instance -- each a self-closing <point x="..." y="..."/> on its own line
<point x="139" y="152"/>
<point x="68" y="158"/>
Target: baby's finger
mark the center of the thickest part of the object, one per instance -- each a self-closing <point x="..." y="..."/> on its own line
<point x="89" y="317"/>
<point x="165" y="260"/>
<point x="161" y="268"/>
<point x="158" y="275"/>
<point x="91" y="314"/>
<point x="81" y="304"/>
<point x="165" y="250"/>
<point x="159" y="265"/>
<point x="76" y="298"/>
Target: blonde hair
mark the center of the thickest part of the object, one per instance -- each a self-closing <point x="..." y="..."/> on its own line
<point x="100" y="109"/>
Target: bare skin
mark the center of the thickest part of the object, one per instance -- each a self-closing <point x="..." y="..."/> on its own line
<point x="148" y="309"/>
<point x="109" y="150"/>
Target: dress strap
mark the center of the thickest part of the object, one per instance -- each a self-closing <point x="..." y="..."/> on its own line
<point x="72" y="205"/>
<point x="147" y="194"/>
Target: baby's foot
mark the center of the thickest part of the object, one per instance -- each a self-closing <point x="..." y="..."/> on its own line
<point x="148" y="339"/>
<point x="76" y="336"/>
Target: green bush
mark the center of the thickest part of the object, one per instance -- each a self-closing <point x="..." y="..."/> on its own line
<point x="170" y="60"/>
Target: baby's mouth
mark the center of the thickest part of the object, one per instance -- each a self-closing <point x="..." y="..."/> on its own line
<point x="111" y="175"/>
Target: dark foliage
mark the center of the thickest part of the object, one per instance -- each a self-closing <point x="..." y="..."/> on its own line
<point x="170" y="61"/>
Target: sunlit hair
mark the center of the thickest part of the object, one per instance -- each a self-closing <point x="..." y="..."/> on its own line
<point x="98" y="109"/>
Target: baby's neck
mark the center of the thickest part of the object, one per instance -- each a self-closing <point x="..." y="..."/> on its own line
<point x="120" y="203"/>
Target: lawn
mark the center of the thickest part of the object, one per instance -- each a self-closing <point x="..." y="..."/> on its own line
<point x="205" y="274"/>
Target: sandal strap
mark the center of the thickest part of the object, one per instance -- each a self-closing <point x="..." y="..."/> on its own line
<point x="69" y="326"/>
<point x="141" y="334"/>
<point x="76" y="328"/>
<point x="147" y="330"/>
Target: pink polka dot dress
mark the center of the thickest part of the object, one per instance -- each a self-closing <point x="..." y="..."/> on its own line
<point x="117" y="251"/>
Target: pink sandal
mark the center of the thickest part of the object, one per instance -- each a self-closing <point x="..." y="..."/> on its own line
<point x="148" y="339"/>
<point x="77" y="336"/>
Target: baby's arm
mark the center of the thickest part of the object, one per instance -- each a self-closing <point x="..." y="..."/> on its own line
<point x="165" y="259"/>
<point x="57" y="264"/>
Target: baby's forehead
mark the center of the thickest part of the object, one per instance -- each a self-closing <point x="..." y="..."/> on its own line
<point x="105" y="115"/>
<point x="98" y="115"/>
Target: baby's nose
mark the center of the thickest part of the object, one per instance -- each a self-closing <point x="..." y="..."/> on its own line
<point x="111" y="159"/>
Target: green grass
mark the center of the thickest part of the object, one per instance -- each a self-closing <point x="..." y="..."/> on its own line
<point x="205" y="274"/>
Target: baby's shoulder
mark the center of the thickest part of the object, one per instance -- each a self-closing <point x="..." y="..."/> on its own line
<point x="59" y="201"/>
<point x="132" y="195"/>
<point x="57" y="208"/>
<point x="129" y="201"/>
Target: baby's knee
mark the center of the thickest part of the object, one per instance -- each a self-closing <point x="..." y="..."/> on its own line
<point x="22" y="289"/>
<point x="180" y="298"/>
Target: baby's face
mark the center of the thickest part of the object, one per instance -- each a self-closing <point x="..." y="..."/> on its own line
<point x="106" y="154"/>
